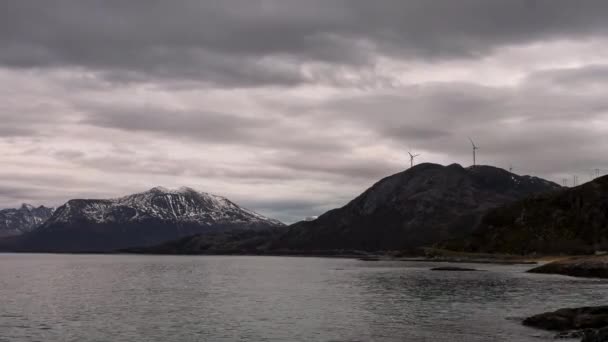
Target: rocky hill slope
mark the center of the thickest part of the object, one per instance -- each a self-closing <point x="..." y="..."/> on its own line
<point x="142" y="219"/>
<point x="23" y="220"/>
<point x="248" y="242"/>
<point x="420" y="206"/>
<point x="588" y="266"/>
<point x="573" y="221"/>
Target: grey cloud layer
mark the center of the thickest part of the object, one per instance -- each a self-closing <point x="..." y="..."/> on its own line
<point x="252" y="42"/>
<point x="292" y="107"/>
<point x="210" y="126"/>
<point x="540" y="127"/>
<point x="516" y="124"/>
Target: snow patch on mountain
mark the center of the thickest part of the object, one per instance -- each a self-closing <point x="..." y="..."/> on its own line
<point x="183" y="205"/>
<point x="23" y="220"/>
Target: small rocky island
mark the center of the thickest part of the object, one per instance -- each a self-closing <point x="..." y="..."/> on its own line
<point x="590" y="323"/>
<point x="590" y="267"/>
<point x="454" y="269"/>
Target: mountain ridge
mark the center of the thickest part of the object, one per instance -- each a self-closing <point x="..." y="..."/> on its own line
<point x="26" y="218"/>
<point x="146" y="201"/>
<point x="419" y="206"/>
<point x="139" y="219"/>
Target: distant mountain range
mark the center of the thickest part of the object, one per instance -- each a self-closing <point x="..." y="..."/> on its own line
<point x="143" y="219"/>
<point x="421" y="206"/>
<point x="475" y="209"/>
<point x="572" y="221"/>
<point x="23" y="220"/>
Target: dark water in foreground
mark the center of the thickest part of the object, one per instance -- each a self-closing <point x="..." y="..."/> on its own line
<point x="179" y="298"/>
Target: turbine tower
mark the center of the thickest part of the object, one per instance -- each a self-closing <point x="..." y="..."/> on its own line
<point x="475" y="148"/>
<point x="412" y="156"/>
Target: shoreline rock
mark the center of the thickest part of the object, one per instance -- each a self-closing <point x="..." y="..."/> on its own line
<point x="570" y="319"/>
<point x="588" y="267"/>
<point x="598" y="335"/>
<point x="588" y="323"/>
<point x="454" y="269"/>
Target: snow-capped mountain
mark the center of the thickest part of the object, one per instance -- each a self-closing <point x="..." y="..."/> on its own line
<point x="184" y="205"/>
<point x="23" y="220"/>
<point x="140" y="219"/>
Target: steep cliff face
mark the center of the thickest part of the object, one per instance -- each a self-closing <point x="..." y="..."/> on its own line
<point x="142" y="219"/>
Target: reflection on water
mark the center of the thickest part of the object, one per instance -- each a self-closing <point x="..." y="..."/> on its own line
<point x="166" y="298"/>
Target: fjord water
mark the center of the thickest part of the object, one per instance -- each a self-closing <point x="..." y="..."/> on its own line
<point x="223" y="298"/>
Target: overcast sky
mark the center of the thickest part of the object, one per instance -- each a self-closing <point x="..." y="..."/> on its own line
<point x="288" y="107"/>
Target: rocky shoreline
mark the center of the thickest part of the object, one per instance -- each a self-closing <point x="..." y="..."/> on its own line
<point x="588" y="267"/>
<point x="588" y="323"/>
<point x="454" y="269"/>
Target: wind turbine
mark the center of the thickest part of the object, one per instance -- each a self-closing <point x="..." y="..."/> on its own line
<point x="475" y="148"/>
<point x="412" y="156"/>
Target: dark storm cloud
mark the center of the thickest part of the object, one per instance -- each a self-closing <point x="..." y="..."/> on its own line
<point x="69" y="154"/>
<point x="27" y="121"/>
<point x="14" y="192"/>
<point x="371" y="167"/>
<point x="268" y="131"/>
<point x="514" y="123"/>
<point x="425" y="113"/>
<point x="45" y="188"/>
<point x="200" y="125"/>
<point x="103" y="98"/>
<point x="282" y="167"/>
<point x="250" y="42"/>
<point x="572" y="79"/>
<point x="9" y="131"/>
<point x="542" y="129"/>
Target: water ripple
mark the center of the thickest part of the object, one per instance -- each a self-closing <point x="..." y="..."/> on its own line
<point x="155" y="298"/>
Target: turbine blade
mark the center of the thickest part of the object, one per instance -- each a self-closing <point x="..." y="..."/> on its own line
<point x="472" y="143"/>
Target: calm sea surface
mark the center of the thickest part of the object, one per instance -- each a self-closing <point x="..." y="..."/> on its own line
<point x="206" y="298"/>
